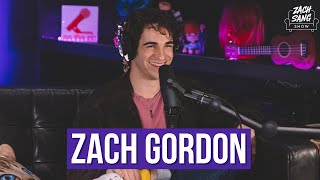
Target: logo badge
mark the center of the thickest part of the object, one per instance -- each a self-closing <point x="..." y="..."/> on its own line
<point x="79" y="23"/>
<point x="301" y="18"/>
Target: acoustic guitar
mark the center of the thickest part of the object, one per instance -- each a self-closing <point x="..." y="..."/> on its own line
<point x="297" y="48"/>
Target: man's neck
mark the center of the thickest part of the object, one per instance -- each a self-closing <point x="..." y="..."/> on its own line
<point x="144" y="87"/>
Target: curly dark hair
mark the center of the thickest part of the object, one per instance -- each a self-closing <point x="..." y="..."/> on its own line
<point x="143" y="18"/>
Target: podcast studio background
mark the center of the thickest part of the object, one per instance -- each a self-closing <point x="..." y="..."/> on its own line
<point x="32" y="56"/>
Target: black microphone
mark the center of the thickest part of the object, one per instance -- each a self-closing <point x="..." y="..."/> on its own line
<point x="170" y="95"/>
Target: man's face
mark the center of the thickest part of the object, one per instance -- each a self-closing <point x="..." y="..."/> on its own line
<point x="154" y="50"/>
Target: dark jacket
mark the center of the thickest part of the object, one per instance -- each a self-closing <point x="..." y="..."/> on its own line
<point x="112" y="106"/>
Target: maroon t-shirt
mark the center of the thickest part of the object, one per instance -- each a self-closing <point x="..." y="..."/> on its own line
<point x="151" y="111"/>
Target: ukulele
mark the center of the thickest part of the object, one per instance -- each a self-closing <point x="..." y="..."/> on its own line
<point x="297" y="48"/>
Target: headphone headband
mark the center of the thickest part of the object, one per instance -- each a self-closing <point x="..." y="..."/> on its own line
<point x="122" y="43"/>
<point x="119" y="41"/>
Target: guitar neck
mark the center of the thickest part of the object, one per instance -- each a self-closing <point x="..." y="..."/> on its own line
<point x="256" y="50"/>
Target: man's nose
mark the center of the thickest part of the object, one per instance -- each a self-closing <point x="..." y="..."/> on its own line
<point x="161" y="54"/>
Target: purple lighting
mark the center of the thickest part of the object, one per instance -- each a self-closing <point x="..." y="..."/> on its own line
<point x="4" y="41"/>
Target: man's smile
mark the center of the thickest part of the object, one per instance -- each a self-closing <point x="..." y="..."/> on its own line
<point x="158" y="64"/>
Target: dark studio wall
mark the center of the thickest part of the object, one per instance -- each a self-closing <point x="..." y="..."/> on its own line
<point x="274" y="12"/>
<point x="49" y="11"/>
<point x="279" y="101"/>
<point x="65" y="69"/>
<point x="21" y="67"/>
<point x="72" y="69"/>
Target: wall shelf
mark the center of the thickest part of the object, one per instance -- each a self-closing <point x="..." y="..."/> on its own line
<point x="194" y="63"/>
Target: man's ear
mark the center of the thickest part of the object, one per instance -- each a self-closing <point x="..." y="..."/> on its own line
<point x="6" y="150"/>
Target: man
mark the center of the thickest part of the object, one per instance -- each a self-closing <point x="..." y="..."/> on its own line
<point x="148" y="40"/>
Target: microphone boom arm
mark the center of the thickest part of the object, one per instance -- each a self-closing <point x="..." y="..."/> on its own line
<point x="268" y="129"/>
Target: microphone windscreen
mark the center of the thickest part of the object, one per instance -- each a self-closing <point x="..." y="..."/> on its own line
<point x="170" y="95"/>
<point x="166" y="72"/>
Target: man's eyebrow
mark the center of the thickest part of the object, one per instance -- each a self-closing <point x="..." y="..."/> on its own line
<point x="154" y="43"/>
<point x="150" y="43"/>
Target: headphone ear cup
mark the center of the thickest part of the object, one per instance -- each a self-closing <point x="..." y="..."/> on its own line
<point x="126" y="45"/>
<point x="121" y="43"/>
<point x="176" y="46"/>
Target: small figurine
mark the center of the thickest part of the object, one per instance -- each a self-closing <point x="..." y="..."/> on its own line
<point x="191" y="45"/>
<point x="202" y="38"/>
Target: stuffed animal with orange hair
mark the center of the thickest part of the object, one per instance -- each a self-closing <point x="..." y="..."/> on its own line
<point x="192" y="43"/>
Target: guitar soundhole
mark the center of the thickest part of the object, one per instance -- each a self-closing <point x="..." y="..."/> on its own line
<point x="284" y="49"/>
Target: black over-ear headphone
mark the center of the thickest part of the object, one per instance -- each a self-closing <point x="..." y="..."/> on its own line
<point x="122" y="42"/>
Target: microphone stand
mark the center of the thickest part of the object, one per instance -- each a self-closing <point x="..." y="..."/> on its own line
<point x="173" y="115"/>
<point x="268" y="129"/>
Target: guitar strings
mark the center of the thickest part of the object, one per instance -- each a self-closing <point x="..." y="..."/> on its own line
<point x="266" y="46"/>
<point x="294" y="49"/>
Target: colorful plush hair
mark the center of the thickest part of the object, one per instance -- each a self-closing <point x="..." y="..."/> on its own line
<point x="191" y="27"/>
<point x="243" y="21"/>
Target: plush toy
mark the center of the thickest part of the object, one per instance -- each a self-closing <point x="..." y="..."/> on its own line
<point x="109" y="176"/>
<point x="193" y="38"/>
<point x="241" y="24"/>
<point x="145" y="174"/>
<point x="10" y="169"/>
